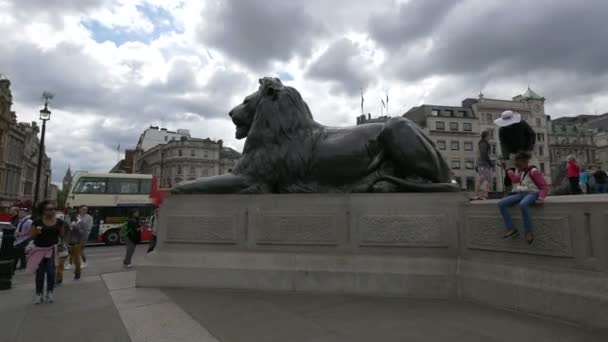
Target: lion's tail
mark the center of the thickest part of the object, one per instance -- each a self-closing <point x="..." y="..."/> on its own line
<point x="419" y="187"/>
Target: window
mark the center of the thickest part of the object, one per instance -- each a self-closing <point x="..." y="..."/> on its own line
<point x="145" y="186"/>
<point x="542" y="167"/>
<point x="166" y="138"/>
<point x="440" y="126"/>
<point x="461" y="114"/>
<point x="456" y="164"/>
<point x="541" y="150"/>
<point x="470" y="183"/>
<point x="538" y="122"/>
<point x="441" y="144"/>
<point x="467" y="126"/>
<point x="489" y="118"/>
<point x="90" y="185"/>
<point x="449" y="112"/>
<point x="435" y="112"/>
<point x="455" y="145"/>
<point x="469" y="164"/>
<point x="468" y="146"/>
<point x="192" y="171"/>
<point x="123" y="186"/>
<point x="179" y="153"/>
<point x="453" y="126"/>
<point x="179" y="170"/>
<point x="192" y="153"/>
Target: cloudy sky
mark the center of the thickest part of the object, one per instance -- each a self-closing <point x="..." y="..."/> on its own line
<point x="119" y="66"/>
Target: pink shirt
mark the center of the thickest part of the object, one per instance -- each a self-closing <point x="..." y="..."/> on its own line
<point x="537" y="177"/>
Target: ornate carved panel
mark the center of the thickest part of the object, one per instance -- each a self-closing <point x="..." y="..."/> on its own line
<point x="202" y="229"/>
<point x="296" y="229"/>
<point x="402" y="230"/>
<point x="552" y="235"/>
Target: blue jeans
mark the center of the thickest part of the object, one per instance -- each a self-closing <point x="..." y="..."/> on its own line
<point x="47" y="267"/>
<point x="524" y="200"/>
<point x="600" y="188"/>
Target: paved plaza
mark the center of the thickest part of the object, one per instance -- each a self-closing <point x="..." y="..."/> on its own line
<point x="105" y="306"/>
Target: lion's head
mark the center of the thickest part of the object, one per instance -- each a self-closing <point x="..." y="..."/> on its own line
<point x="272" y="103"/>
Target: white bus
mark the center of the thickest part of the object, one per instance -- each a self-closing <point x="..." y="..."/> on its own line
<point x="110" y="197"/>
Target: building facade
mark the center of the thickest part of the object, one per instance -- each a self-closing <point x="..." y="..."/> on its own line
<point x="570" y="137"/>
<point x="19" y="147"/>
<point x="154" y="136"/>
<point x="185" y="159"/>
<point x="600" y="139"/>
<point x="455" y="132"/>
<point x="532" y="108"/>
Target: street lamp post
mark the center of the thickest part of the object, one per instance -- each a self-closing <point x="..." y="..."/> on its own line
<point x="45" y="115"/>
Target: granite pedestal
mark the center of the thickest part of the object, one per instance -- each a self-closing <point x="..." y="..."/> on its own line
<point x="432" y="245"/>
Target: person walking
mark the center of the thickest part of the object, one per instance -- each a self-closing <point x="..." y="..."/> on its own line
<point x="87" y="223"/>
<point x="529" y="187"/>
<point x="63" y="251"/>
<point x="76" y="234"/>
<point x="154" y="225"/>
<point x="45" y="233"/>
<point x="573" y="174"/>
<point x="22" y="237"/>
<point x="131" y="237"/>
<point x="601" y="178"/>
<point x="484" y="167"/>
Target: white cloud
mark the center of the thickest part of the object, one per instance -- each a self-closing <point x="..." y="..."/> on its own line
<point x="118" y="66"/>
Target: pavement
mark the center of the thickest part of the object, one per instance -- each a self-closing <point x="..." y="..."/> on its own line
<point x="105" y="306"/>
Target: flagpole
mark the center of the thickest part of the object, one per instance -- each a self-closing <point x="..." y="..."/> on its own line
<point x="362" y="100"/>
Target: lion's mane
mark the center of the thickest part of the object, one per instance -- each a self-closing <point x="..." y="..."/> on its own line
<point x="280" y="142"/>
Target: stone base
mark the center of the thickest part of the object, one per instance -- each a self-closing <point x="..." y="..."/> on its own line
<point x="413" y="245"/>
<point x="367" y="275"/>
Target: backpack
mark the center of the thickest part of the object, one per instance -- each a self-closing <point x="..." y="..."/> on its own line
<point x="124" y="230"/>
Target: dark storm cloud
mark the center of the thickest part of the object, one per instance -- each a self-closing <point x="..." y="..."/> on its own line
<point x="518" y="37"/>
<point x="342" y="65"/>
<point x="400" y="24"/>
<point x="559" y="47"/>
<point x="255" y="33"/>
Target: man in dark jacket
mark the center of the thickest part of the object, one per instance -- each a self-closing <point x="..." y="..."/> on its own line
<point x="515" y="135"/>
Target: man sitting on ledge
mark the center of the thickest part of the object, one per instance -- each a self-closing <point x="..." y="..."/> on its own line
<point x="529" y="187"/>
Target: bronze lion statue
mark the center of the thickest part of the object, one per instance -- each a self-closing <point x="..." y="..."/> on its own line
<point x="287" y="151"/>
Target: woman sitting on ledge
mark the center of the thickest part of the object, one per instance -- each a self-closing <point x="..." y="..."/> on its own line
<point x="529" y="187"/>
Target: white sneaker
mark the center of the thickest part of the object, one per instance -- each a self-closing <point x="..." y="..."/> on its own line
<point x="128" y="266"/>
<point x="83" y="265"/>
<point x="67" y="266"/>
<point x="38" y="300"/>
<point x="49" y="297"/>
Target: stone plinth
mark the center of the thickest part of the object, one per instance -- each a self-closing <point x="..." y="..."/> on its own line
<point x="434" y="245"/>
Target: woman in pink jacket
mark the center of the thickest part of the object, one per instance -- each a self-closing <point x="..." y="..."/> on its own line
<point x="574" y="174"/>
<point x="529" y="187"/>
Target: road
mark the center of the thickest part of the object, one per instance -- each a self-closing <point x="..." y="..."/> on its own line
<point x="83" y="310"/>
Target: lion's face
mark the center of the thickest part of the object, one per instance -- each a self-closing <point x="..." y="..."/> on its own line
<point x="242" y="115"/>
